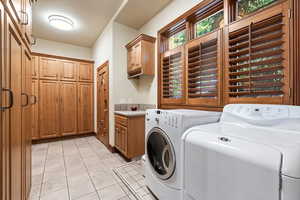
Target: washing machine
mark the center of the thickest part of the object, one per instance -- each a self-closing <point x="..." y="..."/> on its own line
<point x="164" y="129"/>
<point x="252" y="153"/>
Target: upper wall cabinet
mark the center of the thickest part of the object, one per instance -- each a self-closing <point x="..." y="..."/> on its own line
<point x="85" y="73"/>
<point x="49" y="68"/>
<point x="35" y="67"/>
<point x="140" y="56"/>
<point x="69" y="71"/>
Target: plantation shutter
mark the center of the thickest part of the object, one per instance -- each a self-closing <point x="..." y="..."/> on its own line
<point x="172" y="76"/>
<point x="203" y="65"/>
<point x="257" y="61"/>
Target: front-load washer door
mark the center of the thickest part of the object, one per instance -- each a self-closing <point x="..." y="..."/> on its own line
<point x="160" y="154"/>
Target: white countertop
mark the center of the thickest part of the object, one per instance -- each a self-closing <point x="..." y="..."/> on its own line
<point x="131" y="113"/>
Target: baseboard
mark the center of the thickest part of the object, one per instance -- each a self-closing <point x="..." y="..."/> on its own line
<point x="65" y="137"/>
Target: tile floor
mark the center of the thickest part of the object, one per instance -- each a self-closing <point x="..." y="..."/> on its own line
<point x="76" y="169"/>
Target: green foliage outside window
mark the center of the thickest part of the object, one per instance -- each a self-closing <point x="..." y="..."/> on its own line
<point x="210" y="23"/>
<point x="245" y="7"/>
<point x="177" y="40"/>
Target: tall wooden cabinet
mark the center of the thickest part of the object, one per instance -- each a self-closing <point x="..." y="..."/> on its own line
<point x="64" y="88"/>
<point x="16" y="100"/>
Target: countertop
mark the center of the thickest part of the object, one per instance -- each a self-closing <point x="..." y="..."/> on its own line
<point x="131" y="113"/>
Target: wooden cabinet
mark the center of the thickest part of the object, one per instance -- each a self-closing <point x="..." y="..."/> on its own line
<point x="68" y="71"/>
<point x="130" y="135"/>
<point x="49" y="109"/>
<point x="85" y="73"/>
<point x="26" y="121"/>
<point x="14" y="116"/>
<point x="68" y="108"/>
<point x="85" y="108"/>
<point x="140" y="56"/>
<point x="15" y="7"/>
<point x="49" y="68"/>
<point x="35" y="110"/>
<point x="27" y="25"/>
<point x="35" y="67"/>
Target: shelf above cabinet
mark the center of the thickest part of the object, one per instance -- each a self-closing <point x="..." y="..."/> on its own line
<point x="140" y="56"/>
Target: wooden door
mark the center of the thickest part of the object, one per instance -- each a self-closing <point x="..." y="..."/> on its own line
<point x="26" y="122"/>
<point x="85" y="108"/>
<point x="49" y="109"/>
<point x="85" y="72"/>
<point x="103" y="103"/>
<point x="49" y="68"/>
<point x="35" y="67"/>
<point x="123" y="139"/>
<point x="69" y="71"/>
<point x="68" y="107"/>
<point x="35" y="111"/>
<point x="14" y="121"/>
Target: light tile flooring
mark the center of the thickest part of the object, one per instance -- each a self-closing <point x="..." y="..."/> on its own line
<point x="76" y="169"/>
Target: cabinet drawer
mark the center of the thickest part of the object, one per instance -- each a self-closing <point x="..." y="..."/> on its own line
<point x="121" y="120"/>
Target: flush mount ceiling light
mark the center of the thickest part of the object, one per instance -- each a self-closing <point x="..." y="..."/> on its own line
<point x="61" y="22"/>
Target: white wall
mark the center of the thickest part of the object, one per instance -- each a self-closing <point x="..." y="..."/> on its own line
<point x="62" y="49"/>
<point x="148" y="88"/>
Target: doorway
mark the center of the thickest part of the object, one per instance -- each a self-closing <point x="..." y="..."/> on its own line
<point x="103" y="103"/>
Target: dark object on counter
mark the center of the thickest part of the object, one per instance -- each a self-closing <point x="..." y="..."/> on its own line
<point x="134" y="108"/>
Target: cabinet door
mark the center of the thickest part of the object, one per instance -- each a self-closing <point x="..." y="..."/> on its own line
<point x="117" y="136"/>
<point x="28" y="23"/>
<point x="35" y="67"/>
<point x="123" y="131"/>
<point x="69" y="71"/>
<point x="14" y="123"/>
<point x="85" y="108"/>
<point x="15" y="8"/>
<point x="35" y="111"/>
<point x="68" y="95"/>
<point x="137" y="55"/>
<point x="49" y="109"/>
<point x="26" y="122"/>
<point x="85" y="72"/>
<point x="49" y="68"/>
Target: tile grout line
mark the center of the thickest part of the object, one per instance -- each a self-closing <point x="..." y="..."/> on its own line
<point x="87" y="169"/>
<point x="45" y="161"/>
<point x="65" y="167"/>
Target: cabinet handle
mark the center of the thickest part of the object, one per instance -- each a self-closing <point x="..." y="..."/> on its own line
<point x="34" y="99"/>
<point x="27" y="99"/>
<point x="34" y="40"/>
<point x="11" y="99"/>
<point x="26" y="18"/>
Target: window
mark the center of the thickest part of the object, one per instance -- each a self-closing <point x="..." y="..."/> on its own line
<point x="245" y="7"/>
<point x="177" y="40"/>
<point x="210" y="23"/>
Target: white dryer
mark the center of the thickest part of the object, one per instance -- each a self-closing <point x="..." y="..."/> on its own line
<point x="253" y="153"/>
<point x="164" y="129"/>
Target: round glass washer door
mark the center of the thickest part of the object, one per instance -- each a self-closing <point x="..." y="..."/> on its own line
<point x="161" y="154"/>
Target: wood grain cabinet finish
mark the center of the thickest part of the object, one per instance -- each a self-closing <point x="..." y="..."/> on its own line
<point x="49" y="109"/>
<point x="85" y="108"/>
<point x="69" y="71"/>
<point x="68" y="108"/>
<point x="35" y="110"/>
<point x="14" y="116"/>
<point x="130" y="135"/>
<point x="27" y="25"/>
<point x="35" y="67"/>
<point x="140" y="56"/>
<point x="49" y="68"/>
<point x="26" y="121"/>
<point x="85" y="72"/>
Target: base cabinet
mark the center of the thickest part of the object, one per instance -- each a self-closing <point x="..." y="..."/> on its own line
<point x="130" y="135"/>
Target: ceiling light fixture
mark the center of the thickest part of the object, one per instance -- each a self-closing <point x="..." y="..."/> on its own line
<point x="61" y="22"/>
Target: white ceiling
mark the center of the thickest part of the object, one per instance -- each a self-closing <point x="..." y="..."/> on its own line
<point x="138" y="12"/>
<point x="90" y="18"/>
